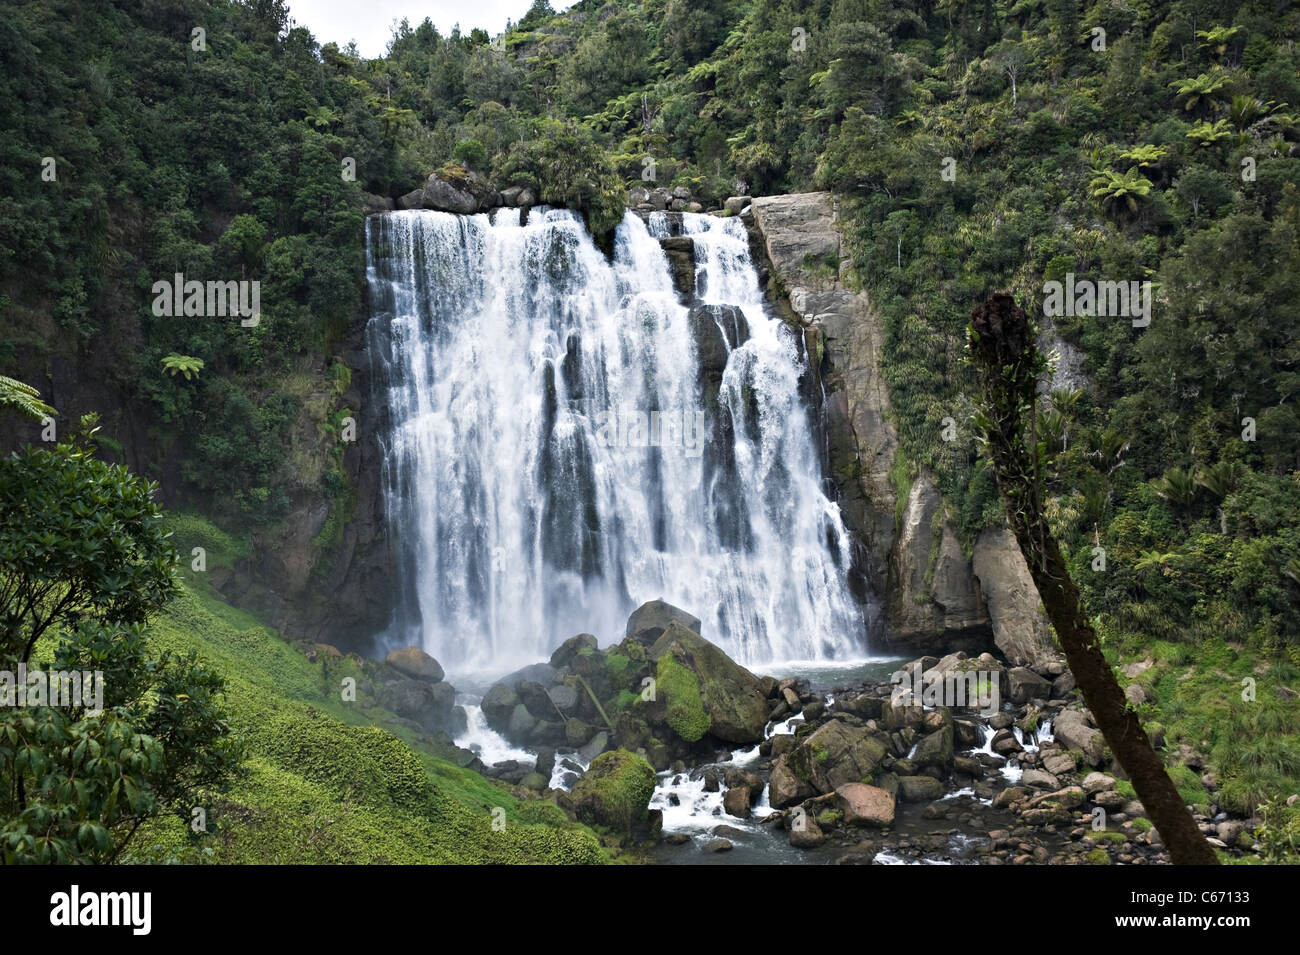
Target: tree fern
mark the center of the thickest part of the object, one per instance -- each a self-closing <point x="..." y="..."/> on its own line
<point x="23" y="398"/>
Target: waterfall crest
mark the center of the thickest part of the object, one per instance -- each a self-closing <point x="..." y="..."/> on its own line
<point x="566" y="440"/>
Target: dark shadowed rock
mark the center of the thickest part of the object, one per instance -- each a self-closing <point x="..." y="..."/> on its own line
<point x="498" y="703"/>
<point x="1025" y="685"/>
<point x="785" y="788"/>
<point x="565" y="653"/>
<point x="736" y="802"/>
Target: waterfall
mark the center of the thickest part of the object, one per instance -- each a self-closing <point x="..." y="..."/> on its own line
<point x="564" y="440"/>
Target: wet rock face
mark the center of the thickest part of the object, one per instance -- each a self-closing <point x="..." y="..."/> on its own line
<point x="935" y="595"/>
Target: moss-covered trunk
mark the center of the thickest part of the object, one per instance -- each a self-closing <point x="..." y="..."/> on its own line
<point x="1002" y="344"/>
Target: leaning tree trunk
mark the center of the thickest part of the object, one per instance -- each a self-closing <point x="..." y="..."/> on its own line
<point x="1002" y="346"/>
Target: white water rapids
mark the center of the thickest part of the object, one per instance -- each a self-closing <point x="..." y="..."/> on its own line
<point x="530" y="494"/>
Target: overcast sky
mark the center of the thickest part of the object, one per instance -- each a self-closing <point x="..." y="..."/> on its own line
<point x="370" y="22"/>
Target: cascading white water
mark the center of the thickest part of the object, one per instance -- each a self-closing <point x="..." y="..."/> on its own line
<point x="531" y="493"/>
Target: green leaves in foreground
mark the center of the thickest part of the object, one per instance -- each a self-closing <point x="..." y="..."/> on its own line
<point x="84" y="560"/>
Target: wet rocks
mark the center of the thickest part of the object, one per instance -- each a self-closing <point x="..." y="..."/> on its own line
<point x="615" y="792"/>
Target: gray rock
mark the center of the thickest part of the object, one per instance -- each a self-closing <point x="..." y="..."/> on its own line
<point x="442" y="195"/>
<point x="1109" y="799"/>
<point x="569" y="650"/>
<point x="538" y="702"/>
<point x="931" y="592"/>
<point x="1073" y="732"/>
<point x="598" y="744"/>
<point x="1059" y="763"/>
<point x="734" y="204"/>
<point x="1025" y="685"/>
<point x="1136" y="694"/>
<point x="545" y="761"/>
<point x="1063" y="685"/>
<point x="807" y="836"/>
<point x="1020" y="628"/>
<point x="936" y="749"/>
<point x="648" y="622"/>
<point x="565" y="698"/>
<point x="521" y="723"/>
<point x="498" y="703"/>
<point x="919" y="789"/>
<point x="1040" y="780"/>
<point x="1097" y="782"/>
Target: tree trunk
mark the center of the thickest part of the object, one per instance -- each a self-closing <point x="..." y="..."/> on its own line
<point x="1002" y="344"/>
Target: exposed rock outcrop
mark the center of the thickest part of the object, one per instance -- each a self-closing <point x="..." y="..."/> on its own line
<point x="799" y="237"/>
<point x="936" y="596"/>
<point x="1020" y="627"/>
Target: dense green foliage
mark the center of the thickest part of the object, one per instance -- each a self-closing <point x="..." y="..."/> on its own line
<point x="977" y="147"/>
<point x="84" y="561"/>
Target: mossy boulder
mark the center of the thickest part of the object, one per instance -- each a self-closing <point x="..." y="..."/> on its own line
<point x="615" y="792"/>
<point x="680" y="688"/>
<point x="729" y="695"/>
<point x="936" y="749"/>
<point x="569" y="650"/>
<point x="836" y="754"/>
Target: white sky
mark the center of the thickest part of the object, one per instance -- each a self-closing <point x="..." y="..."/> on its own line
<point x="370" y="22"/>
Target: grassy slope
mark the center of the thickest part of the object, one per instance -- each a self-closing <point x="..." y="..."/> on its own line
<point x="1200" y="700"/>
<point x="324" y="783"/>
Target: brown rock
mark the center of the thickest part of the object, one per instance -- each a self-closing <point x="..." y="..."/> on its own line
<point x="865" y="805"/>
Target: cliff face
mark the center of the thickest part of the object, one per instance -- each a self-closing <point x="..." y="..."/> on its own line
<point x="934" y="596"/>
<point x="311" y="584"/>
<point x="798" y="237"/>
